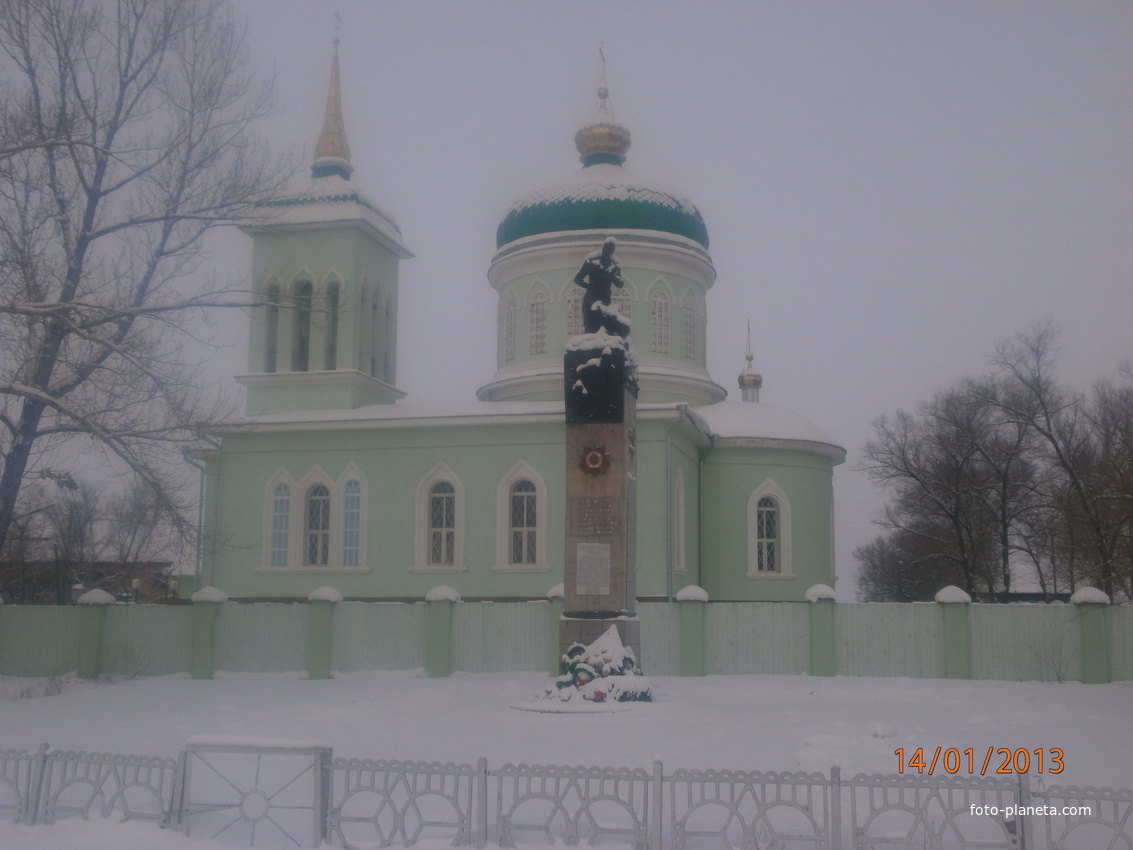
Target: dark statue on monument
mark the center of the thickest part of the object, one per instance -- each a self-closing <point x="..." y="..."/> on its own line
<point x="599" y="366"/>
<point x="599" y="274"/>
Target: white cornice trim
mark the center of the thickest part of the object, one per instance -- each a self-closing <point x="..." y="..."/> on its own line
<point x="351" y="377"/>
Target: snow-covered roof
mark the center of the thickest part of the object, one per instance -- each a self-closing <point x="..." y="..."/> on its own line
<point x="758" y="421"/>
<point x="329" y="200"/>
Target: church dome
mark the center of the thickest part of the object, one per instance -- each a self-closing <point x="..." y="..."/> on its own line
<point x="604" y="196"/>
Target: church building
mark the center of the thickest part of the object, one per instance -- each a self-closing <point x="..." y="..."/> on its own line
<point x="334" y="476"/>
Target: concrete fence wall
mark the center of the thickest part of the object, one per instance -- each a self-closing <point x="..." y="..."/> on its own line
<point x="1089" y="642"/>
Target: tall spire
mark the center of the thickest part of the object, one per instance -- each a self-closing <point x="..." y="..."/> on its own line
<point x="602" y="138"/>
<point x="750" y="381"/>
<point x="332" y="153"/>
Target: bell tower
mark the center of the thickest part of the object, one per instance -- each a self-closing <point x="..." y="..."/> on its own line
<point x="325" y="270"/>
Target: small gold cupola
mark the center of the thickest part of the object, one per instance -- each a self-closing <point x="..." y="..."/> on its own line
<point x="332" y="153"/>
<point x="750" y="381"/>
<point x="602" y="138"/>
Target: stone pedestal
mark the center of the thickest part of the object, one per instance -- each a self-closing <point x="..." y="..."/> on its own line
<point x="599" y="564"/>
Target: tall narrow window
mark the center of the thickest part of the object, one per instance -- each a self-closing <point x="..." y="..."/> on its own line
<point x="271" y="328"/>
<point x="280" y="520"/>
<point x="509" y="330"/>
<point x="767" y="535"/>
<point x="659" y="308"/>
<point x="574" y="312"/>
<point x="442" y="524"/>
<point x="301" y="355"/>
<point x="330" y="358"/>
<point x="351" y="524"/>
<point x="523" y="526"/>
<point x="317" y="551"/>
<point x="537" y="333"/>
<point x="692" y="324"/>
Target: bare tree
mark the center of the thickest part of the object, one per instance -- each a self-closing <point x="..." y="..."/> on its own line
<point x="1089" y="442"/>
<point x="124" y="137"/>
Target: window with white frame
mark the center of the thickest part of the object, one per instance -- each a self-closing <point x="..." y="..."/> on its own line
<point x="317" y="523"/>
<point x="442" y="524"/>
<point x="280" y="524"/>
<point x="537" y="330"/>
<point x="351" y="523"/>
<point x="521" y="517"/>
<point x="330" y="350"/>
<point x="659" y="312"/>
<point x="316" y="549"/>
<point x="523" y="531"/>
<point x="769" y="532"/>
<point x="301" y="353"/>
<point x="271" y="328"/>
<point x="623" y="301"/>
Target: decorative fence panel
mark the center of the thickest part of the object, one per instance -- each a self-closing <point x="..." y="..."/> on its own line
<point x="757" y="637"/>
<point x="379" y="636"/>
<point x="274" y="794"/>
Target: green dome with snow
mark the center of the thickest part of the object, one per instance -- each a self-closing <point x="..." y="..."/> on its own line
<point x="603" y="197"/>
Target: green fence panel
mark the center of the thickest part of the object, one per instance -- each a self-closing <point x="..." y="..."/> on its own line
<point x="379" y="636"/>
<point x="757" y="637"/>
<point x="1119" y="635"/>
<point x="493" y="637"/>
<point x="1026" y="642"/>
<point x="147" y="640"/>
<point x="38" y="640"/>
<point x="889" y="639"/>
<point x="660" y="638"/>
<point x="263" y="637"/>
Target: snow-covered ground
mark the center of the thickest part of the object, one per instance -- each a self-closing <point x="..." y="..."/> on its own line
<point x="724" y="722"/>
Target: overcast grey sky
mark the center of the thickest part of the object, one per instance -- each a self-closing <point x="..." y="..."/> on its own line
<point x="890" y="188"/>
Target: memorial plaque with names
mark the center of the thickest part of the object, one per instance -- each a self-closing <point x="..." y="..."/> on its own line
<point x="595" y="517"/>
<point x="593" y="576"/>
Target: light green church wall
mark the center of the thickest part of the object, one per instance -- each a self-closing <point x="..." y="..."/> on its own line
<point x="393" y="463"/>
<point x="730" y="475"/>
<point x="655" y="492"/>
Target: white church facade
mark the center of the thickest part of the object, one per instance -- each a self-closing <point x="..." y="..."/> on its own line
<point x="336" y="477"/>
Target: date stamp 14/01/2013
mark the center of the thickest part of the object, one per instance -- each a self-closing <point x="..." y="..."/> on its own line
<point x="996" y="760"/>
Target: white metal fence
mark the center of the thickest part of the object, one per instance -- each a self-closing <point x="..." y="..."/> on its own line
<point x="274" y="794"/>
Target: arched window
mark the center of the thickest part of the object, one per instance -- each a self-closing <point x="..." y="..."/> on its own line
<point x="316" y="553"/>
<point x="523" y="531"/>
<point x="509" y="330"/>
<point x="692" y="329"/>
<point x="271" y="328"/>
<point x="330" y="358"/>
<point x="442" y="524"/>
<point x="537" y="331"/>
<point x="659" y="310"/>
<point x="574" y="312"/>
<point x="280" y="522"/>
<point x="767" y="535"/>
<point x="301" y="354"/>
<point x="351" y="523"/>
